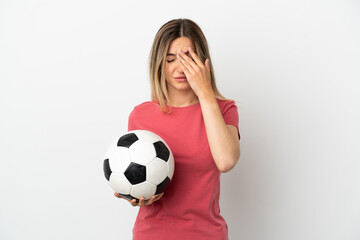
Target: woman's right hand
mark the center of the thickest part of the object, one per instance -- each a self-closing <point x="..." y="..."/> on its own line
<point x="142" y="201"/>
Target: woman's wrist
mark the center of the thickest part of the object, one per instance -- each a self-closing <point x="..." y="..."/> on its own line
<point x="207" y="98"/>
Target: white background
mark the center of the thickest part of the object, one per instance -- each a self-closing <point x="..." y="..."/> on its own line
<point x="72" y="70"/>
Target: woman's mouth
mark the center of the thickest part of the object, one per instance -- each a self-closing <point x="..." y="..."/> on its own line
<point x="180" y="79"/>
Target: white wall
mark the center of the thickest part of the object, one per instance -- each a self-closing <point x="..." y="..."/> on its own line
<point x="72" y="70"/>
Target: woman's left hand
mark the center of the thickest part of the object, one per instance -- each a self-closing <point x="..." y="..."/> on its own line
<point x="197" y="73"/>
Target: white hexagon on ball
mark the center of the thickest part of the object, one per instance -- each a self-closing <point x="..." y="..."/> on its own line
<point x="145" y="189"/>
<point x="119" y="183"/>
<point x="142" y="152"/>
<point x="156" y="171"/>
<point x="119" y="159"/>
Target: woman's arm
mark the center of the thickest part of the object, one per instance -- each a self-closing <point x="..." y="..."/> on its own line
<point x="223" y="139"/>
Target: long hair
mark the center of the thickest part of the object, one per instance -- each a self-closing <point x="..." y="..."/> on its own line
<point x="166" y="34"/>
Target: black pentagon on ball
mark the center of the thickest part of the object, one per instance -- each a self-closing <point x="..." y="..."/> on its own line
<point x="129" y="197"/>
<point x="161" y="187"/>
<point x="162" y="151"/>
<point x="127" y="140"/>
<point x="107" y="170"/>
<point x="135" y="173"/>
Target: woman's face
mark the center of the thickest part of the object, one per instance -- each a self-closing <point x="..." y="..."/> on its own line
<point x="172" y="66"/>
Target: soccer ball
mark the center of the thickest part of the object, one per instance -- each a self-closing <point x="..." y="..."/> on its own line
<point x="138" y="163"/>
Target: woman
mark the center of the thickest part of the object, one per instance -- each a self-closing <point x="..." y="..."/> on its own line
<point x="200" y="127"/>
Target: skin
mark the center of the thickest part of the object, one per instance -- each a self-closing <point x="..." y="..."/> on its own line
<point x="223" y="139"/>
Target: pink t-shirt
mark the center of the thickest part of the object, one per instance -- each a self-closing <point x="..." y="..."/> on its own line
<point x="189" y="208"/>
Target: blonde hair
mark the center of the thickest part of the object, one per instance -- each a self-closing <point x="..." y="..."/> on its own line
<point x="166" y="34"/>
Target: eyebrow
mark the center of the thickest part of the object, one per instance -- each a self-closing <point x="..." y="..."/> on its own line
<point x="172" y="54"/>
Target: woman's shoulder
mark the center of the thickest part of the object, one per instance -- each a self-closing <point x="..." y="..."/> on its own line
<point x="146" y="105"/>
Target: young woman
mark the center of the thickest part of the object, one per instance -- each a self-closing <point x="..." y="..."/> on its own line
<point x="201" y="128"/>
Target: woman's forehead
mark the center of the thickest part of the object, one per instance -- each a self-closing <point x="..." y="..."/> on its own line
<point x="181" y="43"/>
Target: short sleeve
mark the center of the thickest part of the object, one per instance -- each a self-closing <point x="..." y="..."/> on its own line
<point x="231" y="115"/>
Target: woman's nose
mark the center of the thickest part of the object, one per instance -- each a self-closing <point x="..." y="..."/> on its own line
<point x="179" y="68"/>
